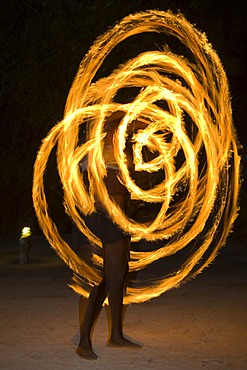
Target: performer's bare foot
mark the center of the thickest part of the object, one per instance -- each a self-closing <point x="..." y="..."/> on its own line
<point x="122" y="342"/>
<point x="86" y="353"/>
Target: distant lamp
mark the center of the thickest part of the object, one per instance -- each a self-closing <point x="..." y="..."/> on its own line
<point x="25" y="244"/>
<point x="26" y="232"/>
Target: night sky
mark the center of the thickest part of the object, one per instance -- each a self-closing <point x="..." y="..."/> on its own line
<point x="42" y="43"/>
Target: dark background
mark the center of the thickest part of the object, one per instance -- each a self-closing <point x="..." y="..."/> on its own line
<point x="42" y="43"/>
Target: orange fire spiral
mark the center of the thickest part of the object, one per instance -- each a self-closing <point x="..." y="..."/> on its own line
<point x="192" y="141"/>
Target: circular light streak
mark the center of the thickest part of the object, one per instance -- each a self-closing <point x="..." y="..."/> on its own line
<point x="192" y="139"/>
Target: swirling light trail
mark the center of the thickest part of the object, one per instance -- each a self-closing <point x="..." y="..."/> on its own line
<point x="196" y="197"/>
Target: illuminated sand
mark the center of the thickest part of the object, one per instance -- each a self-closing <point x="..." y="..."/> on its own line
<point x="197" y="198"/>
<point x="202" y="325"/>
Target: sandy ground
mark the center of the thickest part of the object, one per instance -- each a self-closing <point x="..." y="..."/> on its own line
<point x="201" y="325"/>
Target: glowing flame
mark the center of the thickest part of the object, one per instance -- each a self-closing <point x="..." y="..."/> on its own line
<point x="197" y="195"/>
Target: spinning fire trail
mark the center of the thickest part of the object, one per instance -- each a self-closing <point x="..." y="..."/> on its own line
<point x="191" y="140"/>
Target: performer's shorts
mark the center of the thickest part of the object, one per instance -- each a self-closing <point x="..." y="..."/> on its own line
<point x="106" y="230"/>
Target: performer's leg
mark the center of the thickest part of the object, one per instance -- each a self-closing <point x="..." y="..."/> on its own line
<point x="82" y="309"/>
<point x="116" y="272"/>
<point x="92" y="311"/>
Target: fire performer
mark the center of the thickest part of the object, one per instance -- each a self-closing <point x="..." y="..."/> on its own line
<point x="116" y="255"/>
<point x="185" y="108"/>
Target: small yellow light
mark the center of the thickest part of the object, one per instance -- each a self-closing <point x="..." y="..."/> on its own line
<point x="25" y="232"/>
